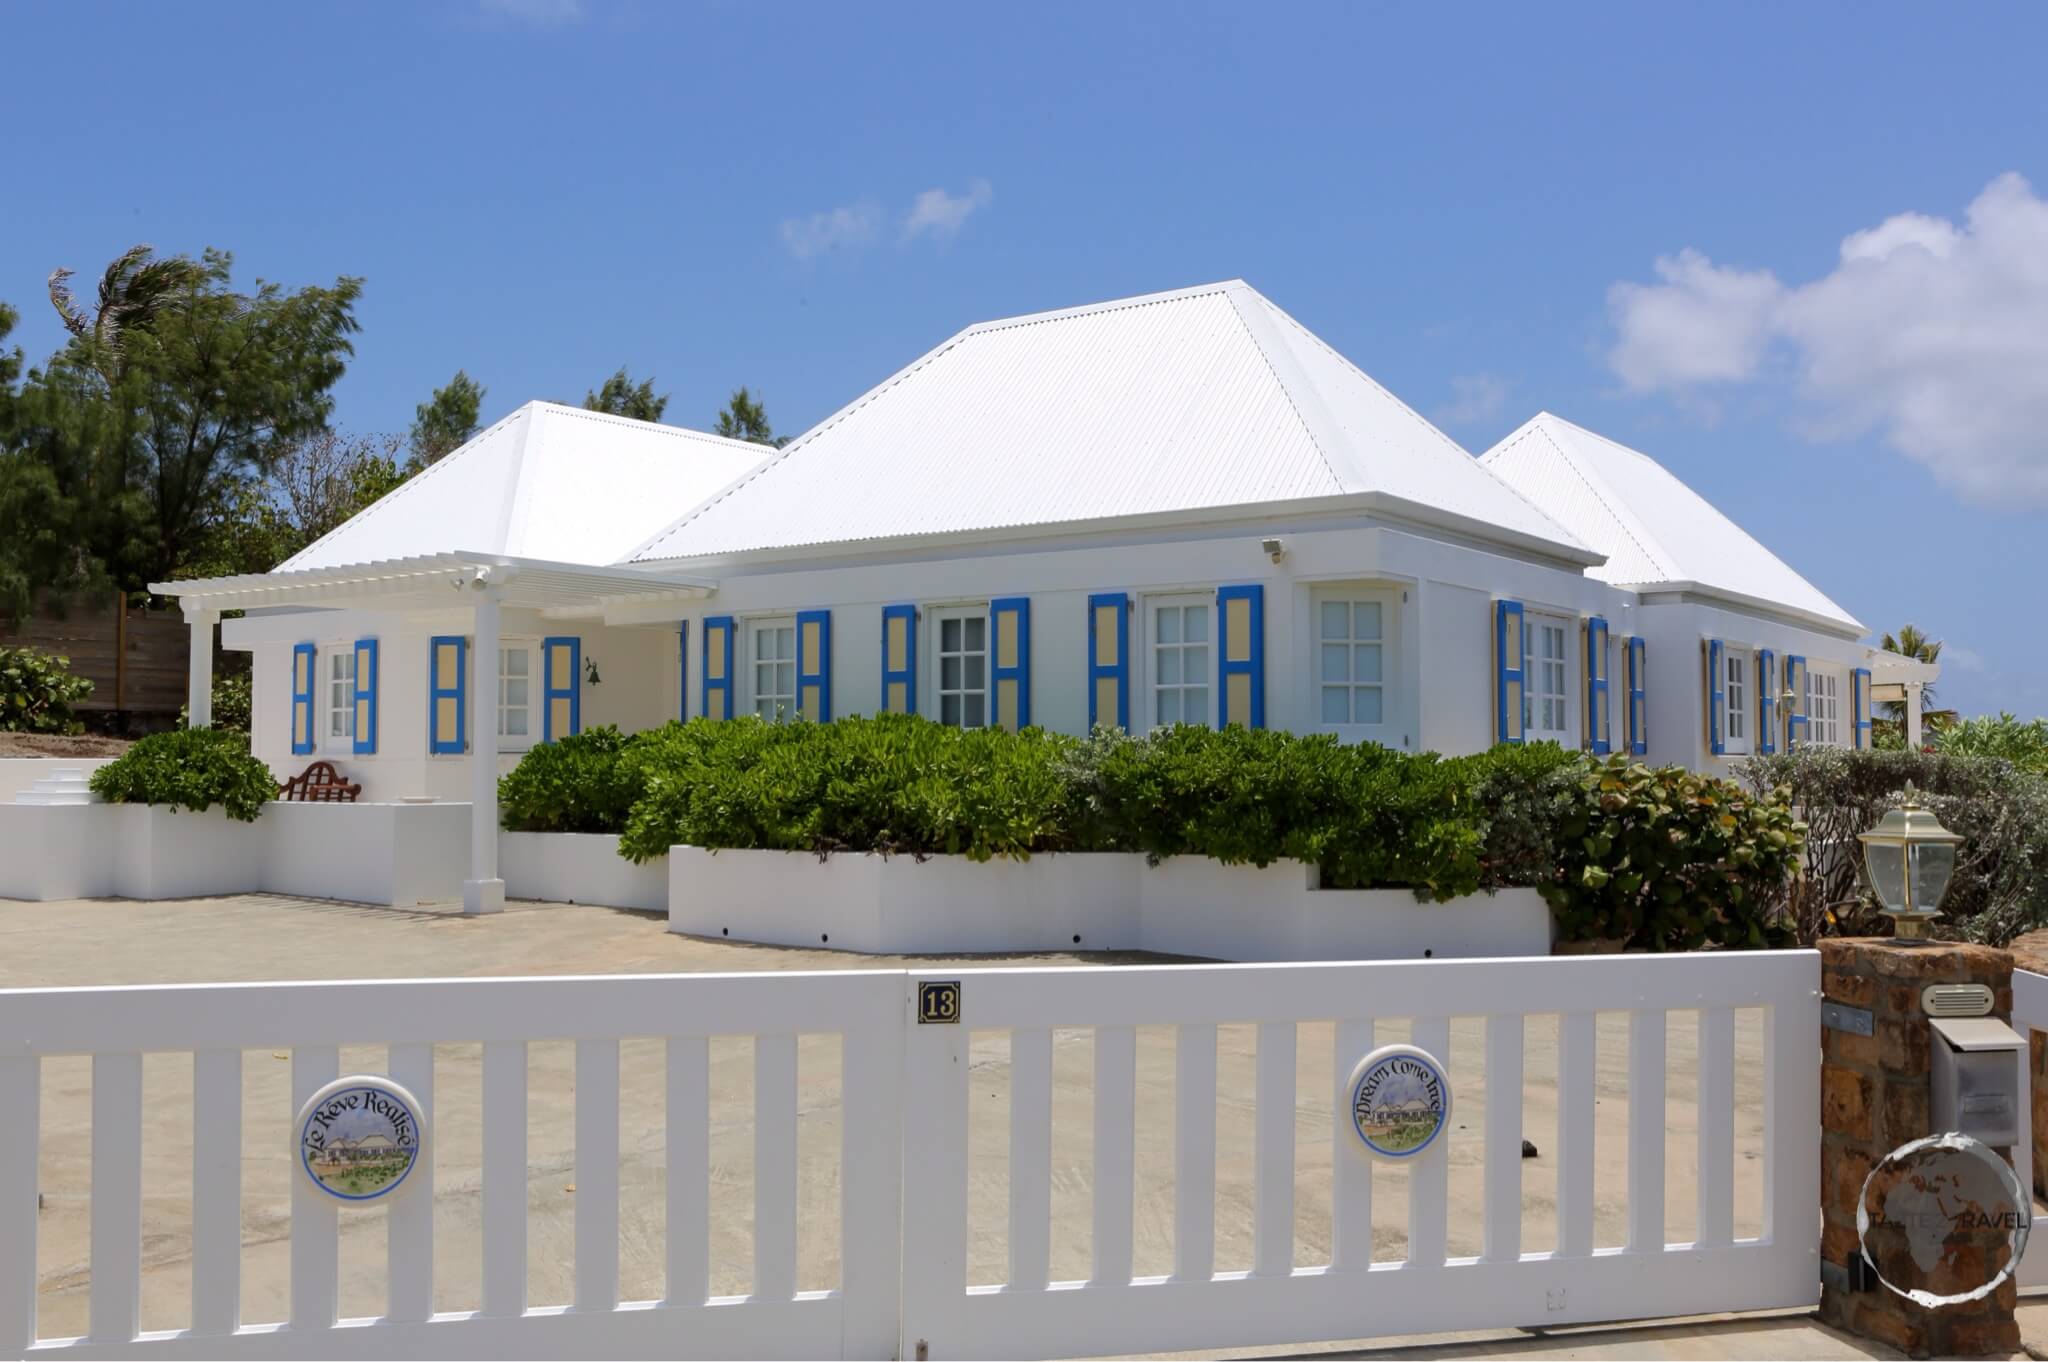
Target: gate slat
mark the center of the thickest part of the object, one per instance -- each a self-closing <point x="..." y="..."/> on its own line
<point x="1429" y="1177"/>
<point x="597" y="1174"/>
<point x="116" y="1314"/>
<point x="688" y="1118"/>
<point x="1716" y="1173"/>
<point x="409" y="1224"/>
<point x="505" y="1177"/>
<point x="1194" y="1152"/>
<point x="1273" y="1151"/>
<point x="1503" y="1228"/>
<point x="935" y="1096"/>
<point x="20" y="1133"/>
<point x="316" y="1269"/>
<point x="1792" y="1108"/>
<point x="1030" y="1157"/>
<point x="1646" y="1132"/>
<point x="775" y="1167"/>
<point x="1351" y="1196"/>
<point x="1116" y="1108"/>
<point x="217" y="1191"/>
<point x="871" y="1200"/>
<point x="1576" y="1055"/>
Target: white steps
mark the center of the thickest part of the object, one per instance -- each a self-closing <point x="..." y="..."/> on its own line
<point x="65" y="785"/>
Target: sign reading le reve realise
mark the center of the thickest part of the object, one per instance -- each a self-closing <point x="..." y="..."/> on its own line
<point x="1400" y="1101"/>
<point x="359" y="1138"/>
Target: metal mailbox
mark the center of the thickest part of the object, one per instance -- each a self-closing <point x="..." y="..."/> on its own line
<point x="1979" y="1079"/>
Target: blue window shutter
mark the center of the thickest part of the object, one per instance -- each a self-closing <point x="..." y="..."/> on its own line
<point x="1009" y="619"/>
<point x="718" y="666"/>
<point x="899" y="659"/>
<point x="1796" y="720"/>
<point x="814" y="665"/>
<point x="683" y="670"/>
<point x="1507" y="671"/>
<point x="447" y="694"/>
<point x="366" y="697"/>
<point x="1109" y="660"/>
<point x="1241" y="658"/>
<point x="304" y="658"/>
<point x="1766" y="702"/>
<point x="561" y="694"/>
<point x="1716" y="697"/>
<point x="1599" y="731"/>
<point x="1859" y="706"/>
<point x="1638" y="696"/>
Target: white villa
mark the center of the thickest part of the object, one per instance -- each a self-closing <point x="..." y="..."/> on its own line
<point x="1175" y="508"/>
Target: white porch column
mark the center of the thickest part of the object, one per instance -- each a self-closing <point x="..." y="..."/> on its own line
<point x="1913" y="690"/>
<point x="199" y="666"/>
<point x="483" y="891"/>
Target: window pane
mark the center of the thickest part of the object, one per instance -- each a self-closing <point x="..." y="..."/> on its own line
<point x="1195" y="624"/>
<point x="1169" y="707"/>
<point x="977" y="634"/>
<point x="1367" y="699"/>
<point x="515" y="723"/>
<point x="949" y="710"/>
<point x="1366" y="659"/>
<point x="1368" y="619"/>
<point x="975" y="714"/>
<point x="1169" y="666"/>
<point x="1336" y="619"/>
<point x="949" y="672"/>
<point x="1195" y="663"/>
<point x="785" y="678"/>
<point x="516" y="661"/>
<point x="1169" y="625"/>
<point x="1194" y="706"/>
<point x="949" y="636"/>
<point x="1336" y="704"/>
<point x="1336" y="662"/>
<point x="977" y="671"/>
<point x="785" y="643"/>
<point x="515" y="691"/>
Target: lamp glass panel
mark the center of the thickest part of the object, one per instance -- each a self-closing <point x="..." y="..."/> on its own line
<point x="1886" y="862"/>
<point x="1933" y="863"/>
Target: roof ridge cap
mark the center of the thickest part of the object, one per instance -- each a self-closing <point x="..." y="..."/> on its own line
<point x="1137" y="300"/>
<point x="663" y="427"/>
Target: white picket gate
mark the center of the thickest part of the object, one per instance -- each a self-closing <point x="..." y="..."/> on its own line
<point x="903" y="1287"/>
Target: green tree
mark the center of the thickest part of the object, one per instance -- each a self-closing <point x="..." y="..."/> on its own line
<point x="447" y="419"/>
<point x="1910" y="642"/>
<point x="744" y="418"/>
<point x="132" y="290"/>
<point x="620" y="396"/>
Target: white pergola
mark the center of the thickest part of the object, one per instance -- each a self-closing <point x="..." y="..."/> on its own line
<point x="1894" y="676"/>
<point x="489" y="582"/>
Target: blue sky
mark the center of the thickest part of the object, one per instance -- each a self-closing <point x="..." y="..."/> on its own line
<point x="1634" y="216"/>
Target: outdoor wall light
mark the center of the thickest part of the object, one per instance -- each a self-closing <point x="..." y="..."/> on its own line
<point x="1274" y="549"/>
<point x="1909" y="857"/>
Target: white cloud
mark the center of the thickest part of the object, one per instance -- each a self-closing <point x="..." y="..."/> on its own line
<point x="844" y="228"/>
<point x="1931" y="334"/>
<point x="539" y="13"/>
<point x="1474" y="398"/>
<point x="939" y="214"/>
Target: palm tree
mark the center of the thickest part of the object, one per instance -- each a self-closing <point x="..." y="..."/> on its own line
<point x="133" y="289"/>
<point x="1910" y="642"/>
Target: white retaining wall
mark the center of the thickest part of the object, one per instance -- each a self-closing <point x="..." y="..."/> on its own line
<point x="579" y="867"/>
<point x="18" y="773"/>
<point x="1184" y="906"/>
<point x="366" y="853"/>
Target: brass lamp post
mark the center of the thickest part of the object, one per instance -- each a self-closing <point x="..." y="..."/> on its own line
<point x="1909" y="857"/>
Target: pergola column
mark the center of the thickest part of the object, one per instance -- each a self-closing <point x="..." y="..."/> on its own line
<point x="483" y="891"/>
<point x="1913" y="693"/>
<point x="199" y="665"/>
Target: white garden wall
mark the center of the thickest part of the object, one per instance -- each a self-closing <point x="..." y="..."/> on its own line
<point x="1185" y="906"/>
<point x="579" y="867"/>
<point x="366" y="853"/>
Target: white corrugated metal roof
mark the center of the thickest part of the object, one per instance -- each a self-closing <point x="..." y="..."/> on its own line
<point x="562" y="589"/>
<point x="1175" y="402"/>
<point x="548" y="482"/>
<point x="1654" y="529"/>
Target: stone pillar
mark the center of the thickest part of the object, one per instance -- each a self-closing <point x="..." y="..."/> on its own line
<point x="199" y="667"/>
<point x="483" y="891"/>
<point x="1874" y="1097"/>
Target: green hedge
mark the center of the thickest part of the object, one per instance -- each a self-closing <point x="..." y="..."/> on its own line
<point x="585" y="783"/>
<point x="189" y="768"/>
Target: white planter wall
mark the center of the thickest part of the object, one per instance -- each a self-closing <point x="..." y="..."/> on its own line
<point x="366" y="853"/>
<point x="579" y="867"/>
<point x="18" y="773"/>
<point x="1185" y="906"/>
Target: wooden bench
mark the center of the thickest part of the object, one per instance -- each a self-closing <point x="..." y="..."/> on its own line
<point x="319" y="783"/>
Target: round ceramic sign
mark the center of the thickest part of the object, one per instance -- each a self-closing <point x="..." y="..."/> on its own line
<point x="1400" y="1100"/>
<point x="359" y="1138"/>
<point x="1943" y="1220"/>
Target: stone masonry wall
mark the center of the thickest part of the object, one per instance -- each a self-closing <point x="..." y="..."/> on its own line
<point x="1875" y="1093"/>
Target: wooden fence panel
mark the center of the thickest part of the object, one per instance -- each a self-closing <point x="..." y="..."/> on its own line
<point x="135" y="659"/>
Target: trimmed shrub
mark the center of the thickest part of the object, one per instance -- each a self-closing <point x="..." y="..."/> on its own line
<point x="1669" y="859"/>
<point x="2000" y="885"/>
<point x="2025" y="745"/>
<point x="37" y="691"/>
<point x="585" y="783"/>
<point x="231" y="702"/>
<point x="189" y="768"/>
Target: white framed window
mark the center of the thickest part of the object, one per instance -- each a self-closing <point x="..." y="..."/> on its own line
<point x="772" y="663"/>
<point x="960" y="666"/>
<point x="1736" y="670"/>
<point x="1823" y="708"/>
<point x="1351" y="628"/>
<point x="1547" y="678"/>
<point x="1180" y="659"/>
<point x="338" y="698"/>
<point x="517" y="718"/>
